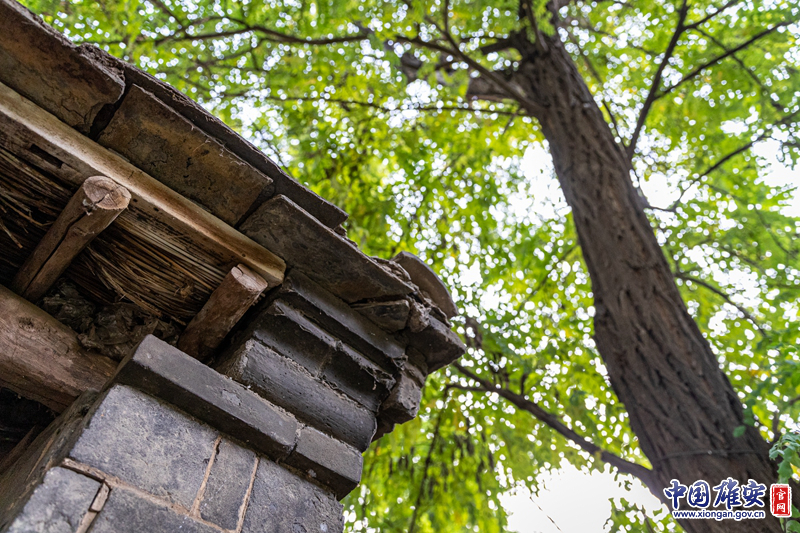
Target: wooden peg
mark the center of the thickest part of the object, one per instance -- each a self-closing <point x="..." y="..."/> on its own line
<point x="228" y="303"/>
<point x="95" y="205"/>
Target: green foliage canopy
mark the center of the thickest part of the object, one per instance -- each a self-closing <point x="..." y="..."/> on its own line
<point x="372" y="104"/>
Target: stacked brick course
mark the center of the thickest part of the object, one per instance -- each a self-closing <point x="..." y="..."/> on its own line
<point x="268" y="440"/>
<point x="129" y="460"/>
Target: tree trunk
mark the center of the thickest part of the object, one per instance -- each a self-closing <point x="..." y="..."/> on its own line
<point x="681" y="405"/>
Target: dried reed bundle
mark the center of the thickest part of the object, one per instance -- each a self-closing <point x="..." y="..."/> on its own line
<point x="138" y="258"/>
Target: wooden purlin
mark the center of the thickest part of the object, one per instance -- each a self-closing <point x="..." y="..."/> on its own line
<point x="41" y="359"/>
<point x="23" y="125"/>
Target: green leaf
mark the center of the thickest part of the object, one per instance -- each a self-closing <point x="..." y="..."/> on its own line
<point x="792" y="526"/>
<point x="784" y="470"/>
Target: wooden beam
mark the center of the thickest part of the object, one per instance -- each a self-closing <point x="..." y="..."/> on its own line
<point x="74" y="157"/>
<point x="228" y="303"/>
<point x="41" y="359"/>
<point x="98" y="202"/>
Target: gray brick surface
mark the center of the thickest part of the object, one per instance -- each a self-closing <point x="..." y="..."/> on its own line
<point x="440" y="344"/>
<point x="168" y="373"/>
<point x="58" y="504"/>
<point x="287" y="331"/>
<point x="359" y="378"/>
<point x="283" y="382"/>
<point x="148" y="444"/>
<point x="282" y="227"/>
<point x="155" y="138"/>
<point x="227" y="485"/>
<point x="402" y="404"/>
<point x="282" y="502"/>
<point x="329" y="461"/>
<point x="343" y="322"/>
<point x="126" y="512"/>
<point x="290" y="333"/>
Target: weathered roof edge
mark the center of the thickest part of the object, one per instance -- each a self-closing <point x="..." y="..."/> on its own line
<point x="83" y="86"/>
<point x="323" y="210"/>
<point x="86" y="88"/>
<point x="44" y="66"/>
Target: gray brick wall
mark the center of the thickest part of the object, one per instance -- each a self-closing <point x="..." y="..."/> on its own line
<point x="58" y="505"/>
<point x="228" y="484"/>
<point x="165" y="471"/>
<point x="129" y="512"/>
<point x="144" y="442"/>
<point x="283" y="502"/>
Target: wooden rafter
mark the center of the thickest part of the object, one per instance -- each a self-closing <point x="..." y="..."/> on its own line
<point x="228" y="303"/>
<point x="41" y="359"/>
<point x="98" y="202"/>
<point x="74" y="157"/>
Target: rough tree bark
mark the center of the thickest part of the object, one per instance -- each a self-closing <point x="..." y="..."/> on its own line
<point x="681" y="405"/>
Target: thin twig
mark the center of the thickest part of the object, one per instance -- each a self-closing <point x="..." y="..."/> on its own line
<point x="764" y="90"/>
<point x="546" y="276"/>
<point x="428" y="460"/>
<point x="760" y="35"/>
<point x="731" y="155"/>
<point x="623" y="465"/>
<point x="427" y="108"/>
<point x="268" y="34"/>
<point x="747" y="315"/>
<point x="652" y="94"/>
<point x="708" y="17"/>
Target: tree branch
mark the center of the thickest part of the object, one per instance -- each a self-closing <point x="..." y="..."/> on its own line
<point x="767" y="132"/>
<point x="160" y="4"/>
<point x="714" y="167"/>
<point x="446" y="16"/>
<point x="747" y="315"/>
<point x="652" y="94"/>
<point x="425" y="108"/>
<point x="585" y="25"/>
<point x="727" y="54"/>
<point x="270" y="35"/>
<point x="623" y="465"/>
<point x="428" y="459"/>
<point x="267" y="34"/>
<point x="765" y="91"/>
<point x="723" y="7"/>
<point x="546" y="276"/>
<point x="488" y="75"/>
